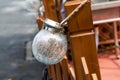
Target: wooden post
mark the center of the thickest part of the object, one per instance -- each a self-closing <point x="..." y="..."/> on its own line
<point x="116" y="40"/>
<point x="59" y="71"/>
<point x="50" y="12"/>
<point x="85" y="46"/>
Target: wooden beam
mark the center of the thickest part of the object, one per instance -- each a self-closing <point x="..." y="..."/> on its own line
<point x="79" y="15"/>
<point x="65" y="69"/>
<point x="51" y="13"/>
<point x="82" y="34"/>
<point x="50" y="10"/>
<point x="58" y="71"/>
<point x="116" y="40"/>
<point x="82" y="45"/>
<point x="53" y="72"/>
<point x="106" y="21"/>
<point x="85" y="46"/>
<point x="107" y="41"/>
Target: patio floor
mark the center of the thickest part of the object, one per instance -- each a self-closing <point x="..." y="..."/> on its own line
<point x="109" y="66"/>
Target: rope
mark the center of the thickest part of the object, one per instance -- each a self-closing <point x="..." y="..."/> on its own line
<point x="73" y="12"/>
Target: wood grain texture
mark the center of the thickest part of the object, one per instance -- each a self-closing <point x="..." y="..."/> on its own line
<point x="53" y="72"/>
<point x="50" y="9"/>
<point x="58" y="71"/>
<point x="82" y="46"/>
<point x="85" y="47"/>
<point x="82" y="18"/>
<point x="65" y="69"/>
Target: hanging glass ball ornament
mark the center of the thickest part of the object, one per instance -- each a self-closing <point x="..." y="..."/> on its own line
<point x="50" y="44"/>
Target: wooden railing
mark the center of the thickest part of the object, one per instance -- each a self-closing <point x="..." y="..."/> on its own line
<point x="106" y="17"/>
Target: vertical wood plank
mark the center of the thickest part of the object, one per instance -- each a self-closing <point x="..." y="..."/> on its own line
<point x="116" y="40"/>
<point x="49" y="70"/>
<point x="53" y="72"/>
<point x="65" y="71"/>
<point x="50" y="9"/>
<point x="82" y="46"/>
<point x="50" y="12"/>
<point x="85" y="46"/>
<point x="58" y="71"/>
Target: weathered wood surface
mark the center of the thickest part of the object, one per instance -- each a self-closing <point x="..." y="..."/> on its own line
<point x="82" y="46"/>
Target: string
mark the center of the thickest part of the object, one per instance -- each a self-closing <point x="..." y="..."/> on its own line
<point x="73" y="12"/>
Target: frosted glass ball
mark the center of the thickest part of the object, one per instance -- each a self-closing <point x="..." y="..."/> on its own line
<point x="49" y="47"/>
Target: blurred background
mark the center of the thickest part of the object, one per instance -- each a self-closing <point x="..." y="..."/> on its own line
<point x="18" y="27"/>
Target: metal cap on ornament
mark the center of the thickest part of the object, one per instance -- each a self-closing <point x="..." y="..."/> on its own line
<point x="50" y="44"/>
